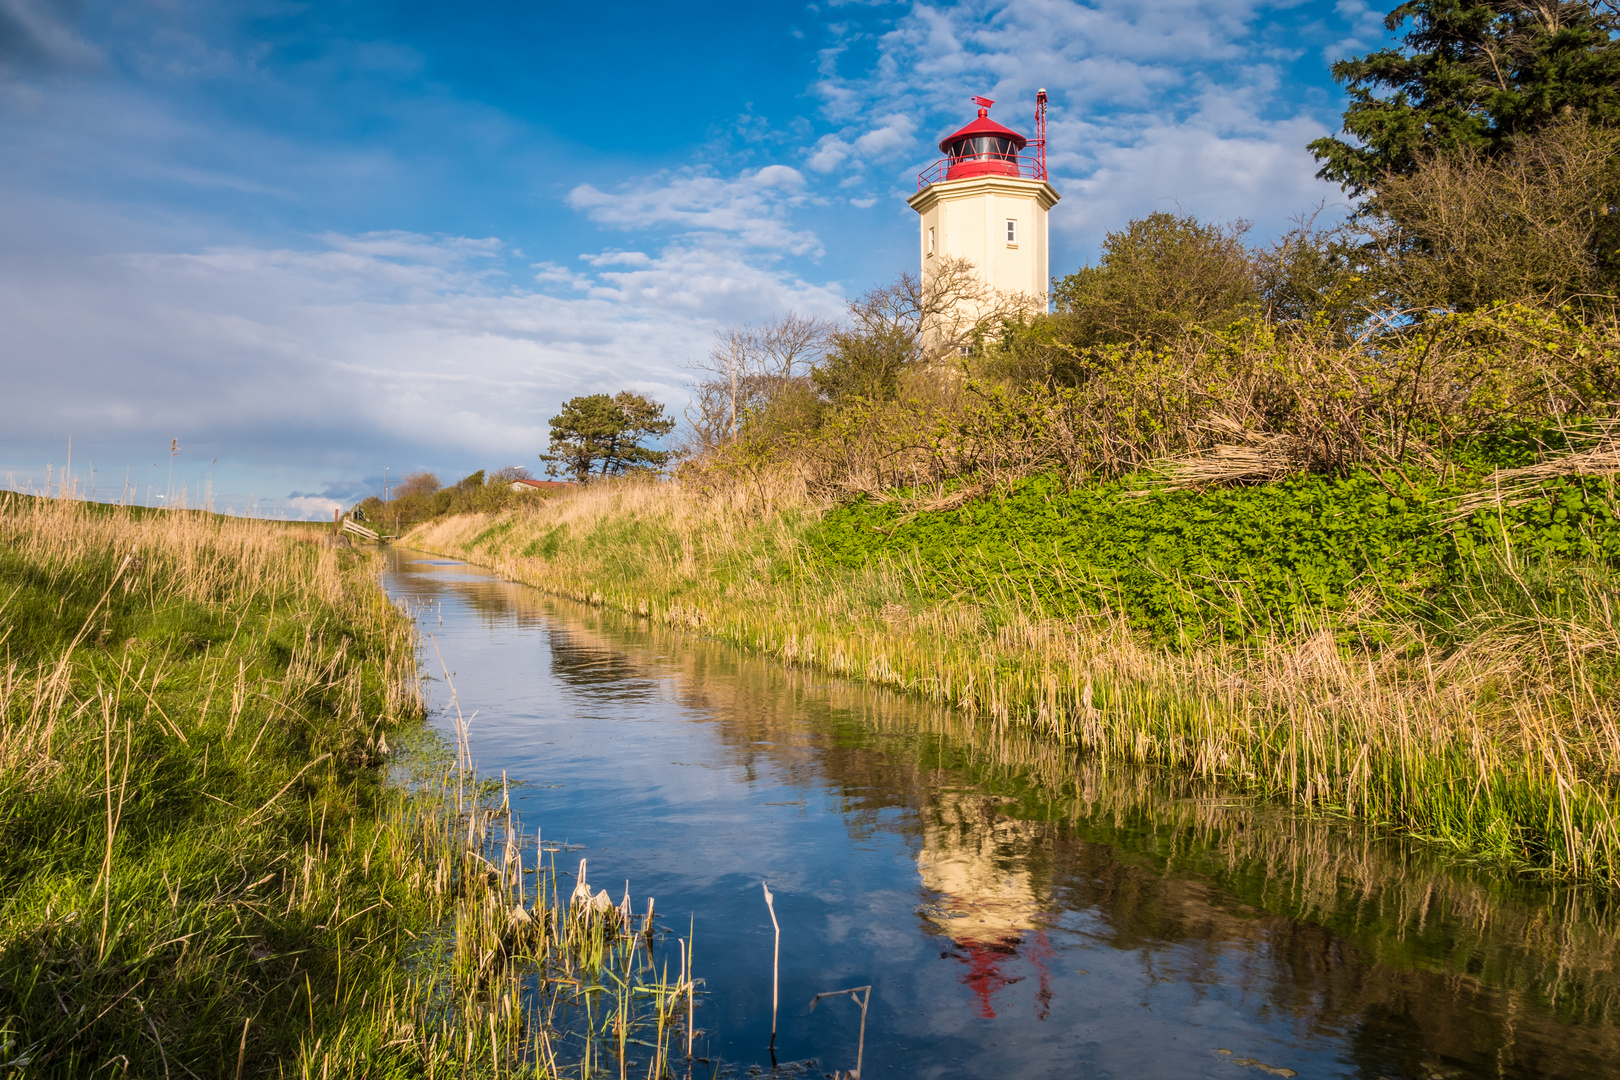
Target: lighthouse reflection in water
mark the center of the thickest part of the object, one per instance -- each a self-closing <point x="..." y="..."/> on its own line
<point x="974" y="861"/>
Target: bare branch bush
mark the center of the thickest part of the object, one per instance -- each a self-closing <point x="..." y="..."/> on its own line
<point x="1235" y="407"/>
<point x="1533" y="226"/>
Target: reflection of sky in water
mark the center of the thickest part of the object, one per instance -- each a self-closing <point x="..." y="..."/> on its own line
<point x="1018" y="913"/>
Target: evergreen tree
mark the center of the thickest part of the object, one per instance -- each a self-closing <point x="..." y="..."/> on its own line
<point x="1472" y="74"/>
<point x="604" y="434"/>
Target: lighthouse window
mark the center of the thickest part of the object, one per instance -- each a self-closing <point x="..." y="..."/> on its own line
<point x="930" y="240"/>
<point x="1012" y="230"/>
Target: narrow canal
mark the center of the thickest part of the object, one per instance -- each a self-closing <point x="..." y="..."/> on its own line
<point x="1017" y="911"/>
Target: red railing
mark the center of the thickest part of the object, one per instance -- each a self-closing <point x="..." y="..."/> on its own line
<point x="1028" y="166"/>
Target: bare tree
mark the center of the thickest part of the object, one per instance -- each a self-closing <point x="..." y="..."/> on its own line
<point x="748" y="367"/>
<point x="1534" y="224"/>
<point x="951" y="307"/>
<point x="918" y="322"/>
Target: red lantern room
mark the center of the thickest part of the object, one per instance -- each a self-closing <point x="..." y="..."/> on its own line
<point x="985" y="148"/>
<point x="982" y="148"/>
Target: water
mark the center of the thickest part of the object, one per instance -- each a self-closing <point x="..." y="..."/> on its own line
<point x="1018" y="912"/>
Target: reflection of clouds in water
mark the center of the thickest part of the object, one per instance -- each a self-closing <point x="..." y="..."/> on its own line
<point x="975" y="861"/>
<point x="893" y="941"/>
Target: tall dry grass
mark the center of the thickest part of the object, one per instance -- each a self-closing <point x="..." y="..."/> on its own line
<point x="1496" y="737"/>
<point x="208" y="868"/>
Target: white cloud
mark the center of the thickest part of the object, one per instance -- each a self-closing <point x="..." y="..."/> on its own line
<point x="361" y="351"/>
<point x="751" y="207"/>
<point x="1366" y="30"/>
<point x="894" y="132"/>
<point x="313" y="507"/>
<point x="1174" y="101"/>
<point x="828" y="153"/>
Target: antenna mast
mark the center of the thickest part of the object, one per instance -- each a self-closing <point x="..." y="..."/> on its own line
<point x="1040" y="134"/>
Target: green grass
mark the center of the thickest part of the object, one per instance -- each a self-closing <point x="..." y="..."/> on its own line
<point x="212" y="863"/>
<point x="200" y="859"/>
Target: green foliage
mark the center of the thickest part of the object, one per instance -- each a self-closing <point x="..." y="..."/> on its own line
<point x="416" y="483"/>
<point x="864" y="363"/>
<point x="1471" y="73"/>
<point x="472" y="494"/>
<point x="603" y="436"/>
<point x="1167" y="279"/>
<point x="1235" y="563"/>
<point x="1158" y="278"/>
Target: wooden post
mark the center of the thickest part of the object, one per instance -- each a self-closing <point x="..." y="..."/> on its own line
<point x="337" y="523"/>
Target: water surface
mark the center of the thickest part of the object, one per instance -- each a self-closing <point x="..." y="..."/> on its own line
<point x="1018" y="911"/>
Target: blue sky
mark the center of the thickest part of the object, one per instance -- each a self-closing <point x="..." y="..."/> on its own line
<point x="314" y="240"/>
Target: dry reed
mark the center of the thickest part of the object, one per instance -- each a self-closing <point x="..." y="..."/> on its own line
<point x="207" y="870"/>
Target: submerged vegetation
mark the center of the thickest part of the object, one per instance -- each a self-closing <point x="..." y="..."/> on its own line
<point x="207" y="869"/>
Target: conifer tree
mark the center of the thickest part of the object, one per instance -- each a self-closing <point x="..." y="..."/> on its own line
<point x="1472" y="74"/>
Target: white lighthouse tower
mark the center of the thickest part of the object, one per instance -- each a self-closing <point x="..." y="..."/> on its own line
<point x="986" y="202"/>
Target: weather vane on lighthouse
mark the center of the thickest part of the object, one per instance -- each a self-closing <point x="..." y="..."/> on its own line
<point x="986" y="201"/>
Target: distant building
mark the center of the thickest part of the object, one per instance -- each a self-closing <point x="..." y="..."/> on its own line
<point x="540" y="485"/>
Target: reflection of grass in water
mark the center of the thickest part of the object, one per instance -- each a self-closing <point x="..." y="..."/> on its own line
<point x="1489" y="730"/>
<point x="1407" y="913"/>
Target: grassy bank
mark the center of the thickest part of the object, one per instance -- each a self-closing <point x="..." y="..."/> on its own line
<point x="208" y="869"/>
<point x="1469" y="704"/>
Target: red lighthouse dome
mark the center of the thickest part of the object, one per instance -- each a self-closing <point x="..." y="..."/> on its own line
<point x="982" y="148"/>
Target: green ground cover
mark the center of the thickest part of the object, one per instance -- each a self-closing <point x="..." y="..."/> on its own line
<point x="1240" y="562"/>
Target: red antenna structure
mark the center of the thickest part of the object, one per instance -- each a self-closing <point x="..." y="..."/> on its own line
<point x="1040" y="134"/>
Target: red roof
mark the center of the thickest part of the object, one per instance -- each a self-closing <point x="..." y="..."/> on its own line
<point x="982" y="126"/>
<point x="544" y="483"/>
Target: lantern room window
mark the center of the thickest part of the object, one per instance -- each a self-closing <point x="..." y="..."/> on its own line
<point x="984" y="148"/>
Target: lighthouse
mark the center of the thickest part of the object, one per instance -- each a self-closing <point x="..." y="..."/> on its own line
<point x="986" y="201"/>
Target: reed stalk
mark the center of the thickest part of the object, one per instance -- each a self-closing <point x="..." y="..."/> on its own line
<point x="270" y="887"/>
<point x="776" y="958"/>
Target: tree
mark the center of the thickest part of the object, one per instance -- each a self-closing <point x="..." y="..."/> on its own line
<point x="605" y="434"/>
<point x="1158" y="278"/>
<point x="1472" y="74"/>
<point x="1315" y="275"/>
<point x="509" y="473"/>
<point x="417" y="483"/>
<point x="749" y="368"/>
<point x="916" y="323"/>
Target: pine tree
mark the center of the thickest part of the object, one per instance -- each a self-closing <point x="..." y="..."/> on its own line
<point x="1472" y="73"/>
<point x="601" y="434"/>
